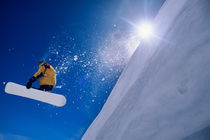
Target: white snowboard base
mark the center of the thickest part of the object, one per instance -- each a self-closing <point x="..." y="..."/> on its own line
<point x="46" y="97"/>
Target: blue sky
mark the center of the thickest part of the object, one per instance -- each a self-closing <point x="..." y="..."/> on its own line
<point x="88" y="42"/>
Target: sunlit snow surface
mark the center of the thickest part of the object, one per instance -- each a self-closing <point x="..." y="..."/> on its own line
<point x="164" y="92"/>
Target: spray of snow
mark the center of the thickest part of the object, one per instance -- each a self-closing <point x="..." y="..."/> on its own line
<point x="118" y="48"/>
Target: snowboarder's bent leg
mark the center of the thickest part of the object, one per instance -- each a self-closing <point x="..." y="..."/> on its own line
<point x="46" y="87"/>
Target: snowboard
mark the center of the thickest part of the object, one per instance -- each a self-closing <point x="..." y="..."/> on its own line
<point x="43" y="96"/>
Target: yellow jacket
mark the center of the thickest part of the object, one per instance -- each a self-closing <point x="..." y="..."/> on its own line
<point x="48" y="75"/>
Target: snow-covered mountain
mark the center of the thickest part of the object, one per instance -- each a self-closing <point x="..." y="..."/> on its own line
<point x="164" y="92"/>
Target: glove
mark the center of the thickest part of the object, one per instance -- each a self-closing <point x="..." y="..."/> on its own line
<point x="32" y="79"/>
<point x="28" y="85"/>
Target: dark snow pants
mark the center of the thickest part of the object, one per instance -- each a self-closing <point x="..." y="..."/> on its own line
<point x="46" y="87"/>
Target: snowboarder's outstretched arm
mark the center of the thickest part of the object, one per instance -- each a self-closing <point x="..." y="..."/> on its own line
<point x="35" y="77"/>
<point x="40" y="72"/>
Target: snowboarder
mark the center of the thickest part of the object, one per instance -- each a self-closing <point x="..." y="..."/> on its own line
<point x="47" y="76"/>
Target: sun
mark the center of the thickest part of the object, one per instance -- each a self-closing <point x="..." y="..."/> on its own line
<point x="145" y="30"/>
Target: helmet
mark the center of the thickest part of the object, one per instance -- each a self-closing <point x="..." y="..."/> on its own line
<point x="42" y="62"/>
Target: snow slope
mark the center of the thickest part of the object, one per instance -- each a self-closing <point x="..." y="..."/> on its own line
<point x="164" y="93"/>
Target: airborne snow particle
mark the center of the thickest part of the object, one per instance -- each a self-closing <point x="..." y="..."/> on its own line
<point x="88" y="63"/>
<point x="4" y="83"/>
<point x="93" y="101"/>
<point x="58" y="86"/>
<point x="102" y="79"/>
<point x="75" y="58"/>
